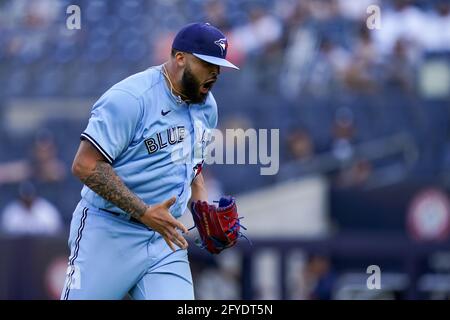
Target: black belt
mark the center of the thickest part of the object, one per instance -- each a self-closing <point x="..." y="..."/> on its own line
<point x="118" y="214"/>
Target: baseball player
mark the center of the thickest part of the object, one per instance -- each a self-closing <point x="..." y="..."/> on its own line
<point x="140" y="159"/>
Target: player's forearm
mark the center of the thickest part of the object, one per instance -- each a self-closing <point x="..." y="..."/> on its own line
<point x="105" y="182"/>
<point x="198" y="190"/>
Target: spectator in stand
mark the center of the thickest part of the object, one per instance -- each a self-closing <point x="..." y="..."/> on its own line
<point x="258" y="34"/>
<point x="433" y="37"/>
<point x="47" y="167"/>
<point x="216" y="14"/>
<point x="355" y="176"/>
<point x="399" y="72"/>
<point x="360" y="74"/>
<point x="300" y="146"/>
<point x="44" y="166"/>
<point x="329" y="69"/>
<point x="343" y="135"/>
<point x="317" y="279"/>
<point x="30" y="215"/>
<point x="400" y="20"/>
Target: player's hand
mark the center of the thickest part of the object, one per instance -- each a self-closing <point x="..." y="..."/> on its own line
<point x="159" y="219"/>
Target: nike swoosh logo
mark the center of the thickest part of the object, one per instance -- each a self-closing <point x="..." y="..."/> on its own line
<point x="165" y="113"/>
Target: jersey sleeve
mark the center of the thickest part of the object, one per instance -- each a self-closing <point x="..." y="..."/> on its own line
<point x="212" y="114"/>
<point x="113" y="122"/>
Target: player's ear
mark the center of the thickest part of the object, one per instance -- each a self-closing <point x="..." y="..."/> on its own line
<point x="180" y="59"/>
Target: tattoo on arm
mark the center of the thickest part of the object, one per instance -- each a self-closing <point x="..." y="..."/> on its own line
<point x="105" y="182"/>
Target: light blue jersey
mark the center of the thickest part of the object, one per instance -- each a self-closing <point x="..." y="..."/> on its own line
<point x="156" y="145"/>
<point x="154" y="141"/>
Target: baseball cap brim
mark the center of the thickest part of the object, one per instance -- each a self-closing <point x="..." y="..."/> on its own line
<point x="216" y="61"/>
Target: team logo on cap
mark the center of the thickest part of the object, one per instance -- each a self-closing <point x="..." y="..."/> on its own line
<point x="222" y="43"/>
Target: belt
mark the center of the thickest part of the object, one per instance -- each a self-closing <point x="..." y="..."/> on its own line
<point x="118" y="214"/>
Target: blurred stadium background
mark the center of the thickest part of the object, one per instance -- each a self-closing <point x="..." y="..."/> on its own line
<point x="364" y="139"/>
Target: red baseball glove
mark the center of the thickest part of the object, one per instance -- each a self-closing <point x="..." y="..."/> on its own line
<point x="218" y="226"/>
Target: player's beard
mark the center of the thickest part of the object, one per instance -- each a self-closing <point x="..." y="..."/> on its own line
<point x="191" y="87"/>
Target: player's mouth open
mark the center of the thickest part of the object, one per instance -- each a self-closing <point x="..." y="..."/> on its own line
<point x="207" y="86"/>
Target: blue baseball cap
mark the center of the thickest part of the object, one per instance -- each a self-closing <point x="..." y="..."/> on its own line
<point x="205" y="42"/>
